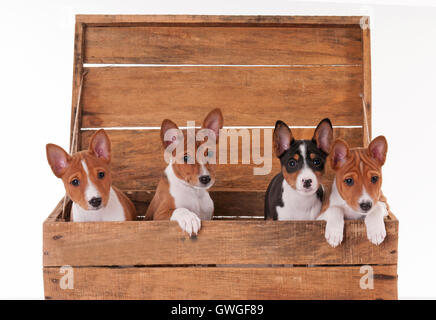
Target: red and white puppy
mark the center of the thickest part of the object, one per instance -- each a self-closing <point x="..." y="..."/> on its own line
<point x="356" y="190"/>
<point x="87" y="180"/>
<point x="182" y="194"/>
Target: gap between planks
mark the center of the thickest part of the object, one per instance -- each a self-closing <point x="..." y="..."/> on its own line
<point x="247" y="266"/>
<point x="225" y="127"/>
<point x="126" y="65"/>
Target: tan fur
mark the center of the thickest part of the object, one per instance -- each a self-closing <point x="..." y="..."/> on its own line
<point x="162" y="205"/>
<point x="291" y="178"/>
<point x="128" y="206"/>
<point x="75" y="170"/>
<point x="360" y="165"/>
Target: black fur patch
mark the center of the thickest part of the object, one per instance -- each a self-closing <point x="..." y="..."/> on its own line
<point x="311" y="148"/>
<point x="274" y="197"/>
<point x="274" y="193"/>
<point x="320" y="193"/>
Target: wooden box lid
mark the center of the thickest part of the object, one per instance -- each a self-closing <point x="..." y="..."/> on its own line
<point x="131" y="72"/>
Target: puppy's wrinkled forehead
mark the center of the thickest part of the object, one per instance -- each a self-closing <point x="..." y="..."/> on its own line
<point x="304" y="152"/>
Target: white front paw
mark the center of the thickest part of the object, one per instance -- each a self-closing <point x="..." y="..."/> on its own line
<point x="188" y="220"/>
<point x="334" y="232"/>
<point x="375" y="229"/>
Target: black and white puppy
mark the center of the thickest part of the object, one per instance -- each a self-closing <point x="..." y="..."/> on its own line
<point x="296" y="192"/>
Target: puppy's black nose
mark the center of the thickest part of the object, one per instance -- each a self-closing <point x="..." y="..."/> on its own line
<point x="307" y="183"/>
<point x="365" y="206"/>
<point x="95" y="202"/>
<point x="204" y="179"/>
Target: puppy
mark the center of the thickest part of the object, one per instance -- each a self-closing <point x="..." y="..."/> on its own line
<point x="182" y="194"/>
<point x="356" y="190"/>
<point x="87" y="180"/>
<point x="296" y="192"/>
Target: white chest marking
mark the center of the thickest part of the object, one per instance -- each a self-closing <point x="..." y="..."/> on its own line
<point x="337" y="201"/>
<point x="349" y="213"/>
<point x="339" y="210"/>
<point x="113" y="211"/>
<point x="91" y="190"/>
<point x="188" y="197"/>
<point x="297" y="206"/>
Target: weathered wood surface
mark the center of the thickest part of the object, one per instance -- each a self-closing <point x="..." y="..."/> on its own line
<point x="278" y="21"/>
<point x="138" y="160"/>
<point x="225" y="45"/>
<point x="247" y="96"/>
<point x="77" y="79"/>
<point x="219" y="242"/>
<point x="366" y="42"/>
<point x="222" y="283"/>
<point x="333" y="72"/>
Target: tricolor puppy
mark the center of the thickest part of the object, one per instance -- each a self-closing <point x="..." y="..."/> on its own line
<point x="356" y="190"/>
<point x="296" y="193"/>
<point x="182" y="194"/>
<point x="87" y="180"/>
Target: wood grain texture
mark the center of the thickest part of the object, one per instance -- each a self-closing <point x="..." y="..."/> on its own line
<point x="228" y="45"/>
<point x="129" y="20"/>
<point x="229" y="259"/>
<point x="138" y="160"/>
<point x="247" y="96"/>
<point x="77" y="79"/>
<point x="366" y="43"/>
<point x="222" y="283"/>
<point x="219" y="242"/>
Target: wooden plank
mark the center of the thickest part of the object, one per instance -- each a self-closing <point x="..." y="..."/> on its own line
<point x="144" y="96"/>
<point x="223" y="45"/>
<point x="219" y="242"/>
<point x="222" y="283"/>
<point x="77" y="80"/>
<point x="246" y="20"/>
<point x="138" y="160"/>
<point x="366" y="43"/>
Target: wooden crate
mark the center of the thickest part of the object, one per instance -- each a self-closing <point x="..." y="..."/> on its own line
<point x="138" y="70"/>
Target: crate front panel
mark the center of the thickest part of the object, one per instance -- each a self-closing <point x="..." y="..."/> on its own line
<point x="219" y="242"/>
<point x="232" y="283"/>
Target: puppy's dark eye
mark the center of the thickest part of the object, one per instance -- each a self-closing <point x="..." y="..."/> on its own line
<point x="374" y="179"/>
<point x="316" y="162"/>
<point x="292" y="163"/>
<point x="75" y="182"/>
<point x="349" y="181"/>
<point x="101" y="175"/>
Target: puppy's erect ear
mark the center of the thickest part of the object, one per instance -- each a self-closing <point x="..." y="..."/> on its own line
<point x="171" y="136"/>
<point x="338" y="154"/>
<point x="282" y="138"/>
<point x="214" y="121"/>
<point x="100" y="145"/>
<point x="377" y="149"/>
<point x="58" y="159"/>
<point x="323" y="135"/>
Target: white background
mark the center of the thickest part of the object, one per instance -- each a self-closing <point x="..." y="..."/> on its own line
<point x="36" y="57"/>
